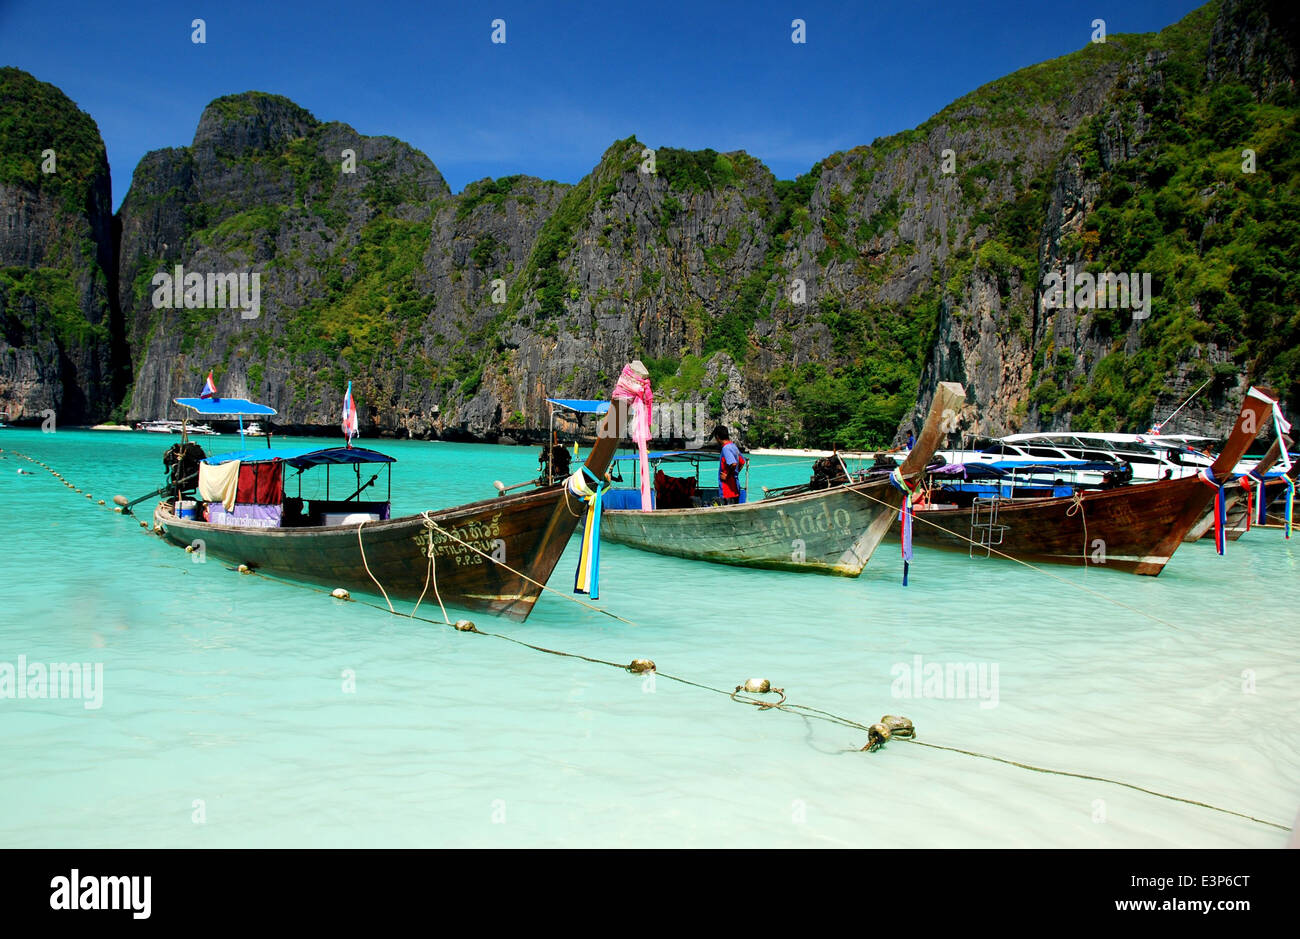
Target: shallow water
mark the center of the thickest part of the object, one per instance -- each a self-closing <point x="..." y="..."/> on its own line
<point x="225" y="695"/>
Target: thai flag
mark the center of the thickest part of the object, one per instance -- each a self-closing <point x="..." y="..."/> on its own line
<point x="1155" y="430"/>
<point x="349" y="416"/>
<point x="209" y="388"/>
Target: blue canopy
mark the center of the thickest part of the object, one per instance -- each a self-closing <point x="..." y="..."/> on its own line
<point x="235" y="407"/>
<point x="303" y="457"/>
<point x="667" y="455"/>
<point x="580" y="406"/>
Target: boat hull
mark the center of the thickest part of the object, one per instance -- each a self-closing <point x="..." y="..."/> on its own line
<point x="832" y="531"/>
<point x="405" y="555"/>
<point x="1132" y="528"/>
<point x="823" y="531"/>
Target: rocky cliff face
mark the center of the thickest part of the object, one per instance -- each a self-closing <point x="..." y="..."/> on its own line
<point x="809" y="311"/>
<point x="60" y="331"/>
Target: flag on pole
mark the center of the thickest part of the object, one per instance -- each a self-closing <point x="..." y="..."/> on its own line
<point x="349" y="416"/>
<point x="209" y="388"/>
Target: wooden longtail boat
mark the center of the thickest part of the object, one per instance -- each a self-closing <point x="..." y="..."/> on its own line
<point x="1132" y="528"/>
<point x="827" y="531"/>
<point x="527" y="532"/>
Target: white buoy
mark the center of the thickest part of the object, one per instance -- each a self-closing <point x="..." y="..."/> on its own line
<point x="338" y="593"/>
<point x="466" y="626"/>
<point x="758" y="686"/>
<point x="244" y="569"/>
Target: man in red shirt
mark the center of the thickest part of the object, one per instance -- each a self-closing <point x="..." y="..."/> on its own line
<point x="729" y="464"/>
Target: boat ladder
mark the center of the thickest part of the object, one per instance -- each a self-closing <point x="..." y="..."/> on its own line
<point x="985" y="531"/>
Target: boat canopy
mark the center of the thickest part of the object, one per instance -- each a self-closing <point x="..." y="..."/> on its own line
<point x="1074" y="466"/>
<point x="672" y="456"/>
<point x="580" y="406"/>
<point x="234" y="407"/>
<point x="303" y="457"/>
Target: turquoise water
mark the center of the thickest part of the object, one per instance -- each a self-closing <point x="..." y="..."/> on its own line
<point x="230" y="690"/>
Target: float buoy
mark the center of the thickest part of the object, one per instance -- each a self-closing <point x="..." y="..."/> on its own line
<point x="244" y="569"/>
<point x="757" y="686"/>
<point x="338" y="593"/>
<point x="877" y="735"/>
<point x="901" y="727"/>
<point x="641" y="665"/>
<point x="119" y="500"/>
<point x="466" y="626"/>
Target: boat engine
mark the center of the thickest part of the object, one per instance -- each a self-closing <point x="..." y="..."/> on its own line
<point x="181" y="462"/>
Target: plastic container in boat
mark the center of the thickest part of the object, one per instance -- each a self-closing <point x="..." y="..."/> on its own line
<point x="186" y="508"/>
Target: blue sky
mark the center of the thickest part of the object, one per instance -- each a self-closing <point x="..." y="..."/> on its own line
<point x="571" y="78"/>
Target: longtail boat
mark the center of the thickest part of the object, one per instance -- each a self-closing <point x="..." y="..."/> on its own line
<point x="828" y="531"/>
<point x="1133" y="528"/>
<point x="493" y="555"/>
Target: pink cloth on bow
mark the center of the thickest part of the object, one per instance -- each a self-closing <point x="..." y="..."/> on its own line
<point x="637" y="389"/>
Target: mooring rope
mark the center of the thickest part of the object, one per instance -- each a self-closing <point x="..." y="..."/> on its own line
<point x="367" y="567"/>
<point x="644" y="666"/>
<point x="1077" y="508"/>
<point x="436" y="527"/>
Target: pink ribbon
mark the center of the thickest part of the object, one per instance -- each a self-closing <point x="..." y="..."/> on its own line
<point x="633" y="387"/>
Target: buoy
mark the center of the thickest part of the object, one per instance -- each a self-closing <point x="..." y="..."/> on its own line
<point x="101" y="502"/>
<point x="757" y="686"/>
<point x="157" y="529"/>
<point x="117" y="509"/>
<point x="144" y="524"/>
<point x="466" y="626"/>
<point x="189" y="549"/>
<point x="877" y="735"/>
<point x="901" y="727"/>
<point x="338" y="593"/>
<point x="119" y="500"/>
<point x="89" y="496"/>
<point x="244" y="569"/>
<point x="641" y="665"/>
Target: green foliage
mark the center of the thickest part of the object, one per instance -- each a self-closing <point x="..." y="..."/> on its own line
<point x="694" y="170"/>
<point x="1218" y="242"/>
<point x="53" y="297"/>
<point x="491" y="191"/>
<point x="35" y="117"/>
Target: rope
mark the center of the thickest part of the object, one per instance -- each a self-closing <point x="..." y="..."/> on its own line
<point x="1077" y="508"/>
<point x="436" y="527"/>
<point x="367" y="567"/>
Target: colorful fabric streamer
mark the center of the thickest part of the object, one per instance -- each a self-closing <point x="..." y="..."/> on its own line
<point x="1248" y="486"/>
<point x="586" y="578"/>
<point x="1261" y="504"/>
<point x="905" y="516"/>
<point x="1288" y="504"/>
<point x="1220" y="507"/>
<point x="635" y="388"/>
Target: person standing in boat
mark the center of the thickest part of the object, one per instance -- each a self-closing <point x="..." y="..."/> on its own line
<point x="729" y="464"/>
